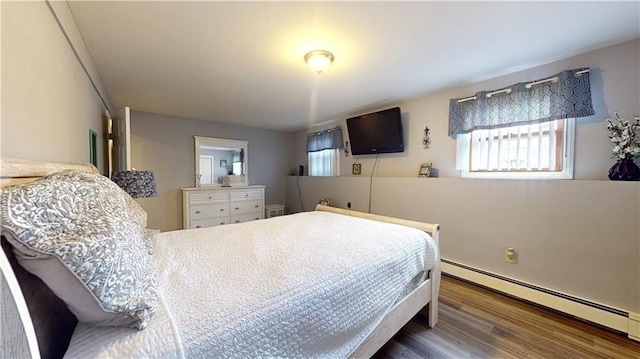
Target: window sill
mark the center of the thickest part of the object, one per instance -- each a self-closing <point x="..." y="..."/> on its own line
<point x="518" y="175"/>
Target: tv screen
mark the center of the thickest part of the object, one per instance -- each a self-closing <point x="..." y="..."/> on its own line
<point x="378" y="132"/>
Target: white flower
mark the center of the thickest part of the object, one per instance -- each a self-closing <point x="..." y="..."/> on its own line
<point x="623" y="134"/>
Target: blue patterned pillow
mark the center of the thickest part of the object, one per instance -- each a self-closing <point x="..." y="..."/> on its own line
<point x="84" y="237"/>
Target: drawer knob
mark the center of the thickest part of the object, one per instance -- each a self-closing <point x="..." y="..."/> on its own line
<point x="256" y="206"/>
<point x="197" y="212"/>
<point x="197" y="226"/>
<point x="257" y="218"/>
<point x="237" y="221"/>
<point x="222" y="223"/>
<point x="237" y="208"/>
<point x="221" y="209"/>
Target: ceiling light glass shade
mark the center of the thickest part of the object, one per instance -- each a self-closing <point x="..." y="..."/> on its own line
<point x="319" y="60"/>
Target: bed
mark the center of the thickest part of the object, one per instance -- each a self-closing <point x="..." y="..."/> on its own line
<point x="327" y="283"/>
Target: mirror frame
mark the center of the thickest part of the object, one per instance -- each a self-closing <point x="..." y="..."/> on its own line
<point x="222" y="142"/>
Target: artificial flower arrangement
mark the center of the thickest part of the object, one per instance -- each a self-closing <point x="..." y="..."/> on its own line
<point x="623" y="135"/>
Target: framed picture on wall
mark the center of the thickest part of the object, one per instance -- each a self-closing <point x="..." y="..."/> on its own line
<point x="93" y="147"/>
<point x="223" y="163"/>
<point x="425" y="170"/>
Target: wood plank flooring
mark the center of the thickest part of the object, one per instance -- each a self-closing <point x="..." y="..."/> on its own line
<point x="478" y="323"/>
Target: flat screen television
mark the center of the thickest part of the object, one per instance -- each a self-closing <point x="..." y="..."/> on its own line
<point x="377" y="132"/>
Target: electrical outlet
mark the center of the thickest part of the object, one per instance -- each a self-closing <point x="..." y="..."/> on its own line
<point x="510" y="256"/>
<point x="349" y="204"/>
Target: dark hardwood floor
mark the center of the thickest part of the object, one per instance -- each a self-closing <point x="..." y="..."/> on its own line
<point x="478" y="323"/>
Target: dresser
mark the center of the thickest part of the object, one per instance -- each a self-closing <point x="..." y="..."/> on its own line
<point x="214" y="206"/>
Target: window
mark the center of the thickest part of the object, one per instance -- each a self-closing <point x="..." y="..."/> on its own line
<point x="322" y="152"/>
<point x="525" y="130"/>
<point x="324" y="163"/>
<point x="543" y="150"/>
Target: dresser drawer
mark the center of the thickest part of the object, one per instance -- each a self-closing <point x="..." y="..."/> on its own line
<point x="198" y="212"/>
<point x="208" y="197"/>
<point x="244" y="207"/>
<point x="245" y="217"/>
<point x="211" y="222"/>
<point x="213" y="206"/>
<point x="246" y="195"/>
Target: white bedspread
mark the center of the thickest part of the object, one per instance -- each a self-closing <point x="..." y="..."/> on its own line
<point x="313" y="289"/>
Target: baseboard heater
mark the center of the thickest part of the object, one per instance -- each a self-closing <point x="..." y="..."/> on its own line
<point x="613" y="318"/>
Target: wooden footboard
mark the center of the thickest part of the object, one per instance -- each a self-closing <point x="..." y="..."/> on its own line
<point x="396" y="318"/>
<point x="403" y="311"/>
<point x="432" y="229"/>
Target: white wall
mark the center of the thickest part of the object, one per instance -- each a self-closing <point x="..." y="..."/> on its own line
<point x="165" y="145"/>
<point x="578" y="237"/>
<point x="581" y="237"/>
<point x="48" y="101"/>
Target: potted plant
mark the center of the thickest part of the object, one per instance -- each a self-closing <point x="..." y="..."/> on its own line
<point x="623" y="135"/>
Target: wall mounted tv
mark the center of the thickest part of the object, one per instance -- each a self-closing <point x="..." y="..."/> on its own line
<point x="378" y="132"/>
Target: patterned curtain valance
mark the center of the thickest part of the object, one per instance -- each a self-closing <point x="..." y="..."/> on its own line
<point x="324" y="140"/>
<point x="564" y="95"/>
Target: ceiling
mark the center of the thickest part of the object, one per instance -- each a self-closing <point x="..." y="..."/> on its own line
<point x="242" y="62"/>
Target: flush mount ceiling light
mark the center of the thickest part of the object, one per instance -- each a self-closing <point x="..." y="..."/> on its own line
<point x="319" y="60"/>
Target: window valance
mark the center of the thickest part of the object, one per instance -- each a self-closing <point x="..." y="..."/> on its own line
<point x="325" y="140"/>
<point x="564" y="95"/>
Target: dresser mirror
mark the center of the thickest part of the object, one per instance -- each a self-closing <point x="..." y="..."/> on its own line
<point x="220" y="162"/>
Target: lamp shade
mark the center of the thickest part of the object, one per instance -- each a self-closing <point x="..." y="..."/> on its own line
<point x="138" y="184"/>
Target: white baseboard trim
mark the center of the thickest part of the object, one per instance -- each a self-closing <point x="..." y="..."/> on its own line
<point x="634" y="326"/>
<point x="616" y="319"/>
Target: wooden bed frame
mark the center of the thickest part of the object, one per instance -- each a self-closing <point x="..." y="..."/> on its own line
<point x="35" y="323"/>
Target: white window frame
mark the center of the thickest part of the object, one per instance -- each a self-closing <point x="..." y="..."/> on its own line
<point x="463" y="160"/>
<point x="331" y="154"/>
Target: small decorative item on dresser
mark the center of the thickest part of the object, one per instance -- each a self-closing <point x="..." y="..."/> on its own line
<point x="627" y="148"/>
<point x="425" y="170"/>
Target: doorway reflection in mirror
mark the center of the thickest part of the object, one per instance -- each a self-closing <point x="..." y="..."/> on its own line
<point x="231" y="155"/>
